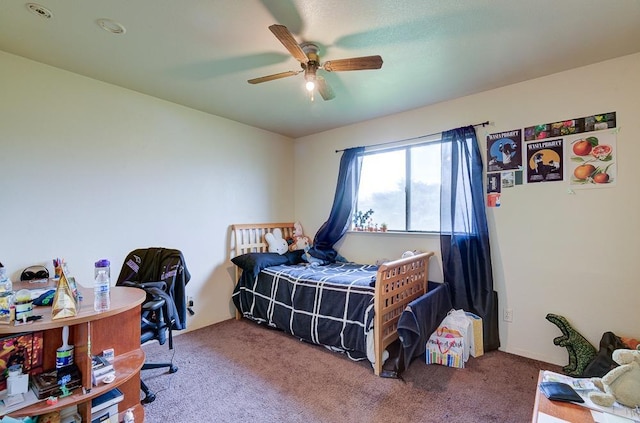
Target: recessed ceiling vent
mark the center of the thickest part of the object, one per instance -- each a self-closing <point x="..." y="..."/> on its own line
<point x="111" y="26"/>
<point x="39" y="10"/>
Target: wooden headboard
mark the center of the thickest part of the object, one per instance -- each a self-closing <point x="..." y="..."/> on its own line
<point x="249" y="237"/>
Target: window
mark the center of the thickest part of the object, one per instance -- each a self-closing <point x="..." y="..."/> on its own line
<point x="402" y="187"/>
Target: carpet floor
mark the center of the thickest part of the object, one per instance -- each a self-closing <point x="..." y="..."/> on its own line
<point x="237" y="371"/>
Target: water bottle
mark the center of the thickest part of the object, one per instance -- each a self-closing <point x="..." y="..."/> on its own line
<point x="5" y="282"/>
<point x="101" y="296"/>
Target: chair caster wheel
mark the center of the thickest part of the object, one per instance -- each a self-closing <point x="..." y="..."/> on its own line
<point x="149" y="398"/>
<point x="173" y="369"/>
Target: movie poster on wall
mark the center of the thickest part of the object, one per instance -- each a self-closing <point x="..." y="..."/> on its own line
<point x="545" y="161"/>
<point x="504" y="151"/>
<point x="592" y="160"/>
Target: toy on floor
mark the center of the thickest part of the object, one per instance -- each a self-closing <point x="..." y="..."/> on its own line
<point x="581" y="352"/>
<point x="622" y="384"/>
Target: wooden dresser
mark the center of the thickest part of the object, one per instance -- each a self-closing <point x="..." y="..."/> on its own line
<point x="92" y="332"/>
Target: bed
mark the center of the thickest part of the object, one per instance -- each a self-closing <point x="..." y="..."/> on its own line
<point x="347" y="307"/>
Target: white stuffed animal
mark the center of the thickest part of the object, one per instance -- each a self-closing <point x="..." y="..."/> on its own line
<point x="622" y="383"/>
<point x="276" y="243"/>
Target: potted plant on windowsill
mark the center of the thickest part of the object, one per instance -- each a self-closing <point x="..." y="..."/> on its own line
<point x="383" y="227"/>
<point x="360" y="220"/>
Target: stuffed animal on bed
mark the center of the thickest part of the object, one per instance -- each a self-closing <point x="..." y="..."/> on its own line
<point x="313" y="261"/>
<point x="298" y="241"/>
<point x="275" y="242"/>
<point x="621" y="384"/>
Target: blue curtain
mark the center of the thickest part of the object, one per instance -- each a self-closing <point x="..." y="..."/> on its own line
<point x="464" y="235"/>
<point x="344" y="202"/>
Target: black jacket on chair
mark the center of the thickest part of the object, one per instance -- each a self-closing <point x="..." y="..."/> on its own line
<point x="161" y="265"/>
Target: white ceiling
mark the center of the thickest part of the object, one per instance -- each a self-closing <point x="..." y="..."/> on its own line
<point x="200" y="53"/>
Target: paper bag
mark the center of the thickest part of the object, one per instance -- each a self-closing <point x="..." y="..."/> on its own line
<point x="447" y="350"/>
<point x="476" y="345"/>
<point x="457" y="320"/>
<point x="65" y="301"/>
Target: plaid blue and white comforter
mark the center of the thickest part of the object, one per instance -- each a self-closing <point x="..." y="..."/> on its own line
<point x="329" y="305"/>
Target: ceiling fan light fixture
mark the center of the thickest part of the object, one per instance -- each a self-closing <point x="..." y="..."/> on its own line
<point x="308" y="55"/>
<point x="310" y="75"/>
<point x="310" y="85"/>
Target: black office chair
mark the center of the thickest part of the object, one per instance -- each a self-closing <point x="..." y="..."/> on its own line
<point x="163" y="275"/>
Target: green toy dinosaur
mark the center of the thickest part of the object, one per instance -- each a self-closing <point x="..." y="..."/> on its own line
<point x="581" y="352"/>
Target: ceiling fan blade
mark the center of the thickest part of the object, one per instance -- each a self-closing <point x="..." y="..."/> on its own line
<point x="272" y="77"/>
<point x="354" y="63"/>
<point x="324" y="89"/>
<point x="282" y="33"/>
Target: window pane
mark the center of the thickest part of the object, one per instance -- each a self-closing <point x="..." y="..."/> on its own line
<point x="425" y="188"/>
<point x="382" y="183"/>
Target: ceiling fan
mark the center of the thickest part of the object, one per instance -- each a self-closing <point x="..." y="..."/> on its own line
<point x="307" y="54"/>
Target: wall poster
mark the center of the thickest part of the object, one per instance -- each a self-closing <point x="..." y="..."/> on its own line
<point x="570" y="127"/>
<point x="493" y="183"/>
<point x="592" y="160"/>
<point x="508" y="179"/>
<point x="493" y="189"/>
<point x="545" y="161"/>
<point x="504" y="151"/>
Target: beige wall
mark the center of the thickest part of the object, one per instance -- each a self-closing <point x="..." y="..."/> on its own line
<point x="89" y="170"/>
<point x="553" y="252"/>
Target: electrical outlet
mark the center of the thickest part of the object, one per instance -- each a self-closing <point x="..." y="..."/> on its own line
<point x="190" y="305"/>
<point x="508" y="315"/>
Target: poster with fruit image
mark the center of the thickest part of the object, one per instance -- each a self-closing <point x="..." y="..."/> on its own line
<point x="545" y="161"/>
<point x="592" y="160"/>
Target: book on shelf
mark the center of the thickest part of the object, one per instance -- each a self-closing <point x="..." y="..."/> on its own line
<point x="100" y="369"/>
<point x="106" y="400"/>
<point x="47" y="384"/>
<point x="100" y="365"/>
<point x="109" y="414"/>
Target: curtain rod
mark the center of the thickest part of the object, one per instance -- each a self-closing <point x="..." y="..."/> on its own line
<point x="483" y="124"/>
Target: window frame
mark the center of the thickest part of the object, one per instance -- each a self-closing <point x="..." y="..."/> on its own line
<point x="407" y="147"/>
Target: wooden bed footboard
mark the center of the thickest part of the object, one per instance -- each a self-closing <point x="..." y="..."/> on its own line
<point x="397" y="283"/>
